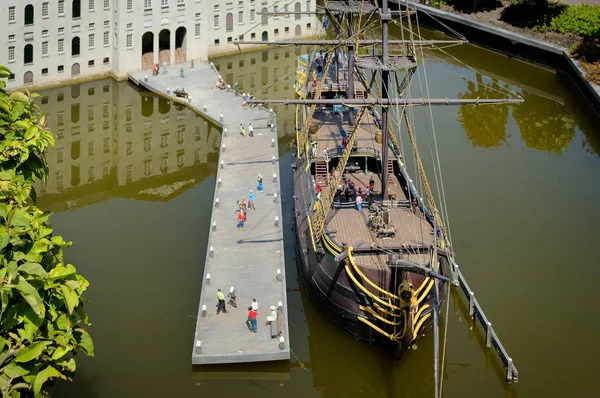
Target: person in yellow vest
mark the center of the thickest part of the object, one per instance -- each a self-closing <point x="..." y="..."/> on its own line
<point x="221" y="303"/>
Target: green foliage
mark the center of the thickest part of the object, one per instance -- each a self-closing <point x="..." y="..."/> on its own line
<point x="583" y="20"/>
<point x="42" y="318"/>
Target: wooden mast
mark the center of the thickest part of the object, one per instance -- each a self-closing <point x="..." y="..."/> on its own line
<point x="385" y="17"/>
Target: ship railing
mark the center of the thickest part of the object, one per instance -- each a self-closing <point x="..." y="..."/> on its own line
<point x="358" y="151"/>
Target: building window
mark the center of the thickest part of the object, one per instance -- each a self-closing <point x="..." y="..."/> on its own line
<point x="229" y="39"/>
<point x="45" y="10"/>
<point x="252" y="36"/>
<point x="105" y="109"/>
<point x="180" y="1"/>
<point x="45" y="99"/>
<point x="276" y="32"/>
<point x="90" y="113"/>
<point x="241" y="17"/>
<point x="106" y="145"/>
<point x="106" y="38"/>
<point x="128" y="113"/>
<point x="61" y="7"/>
<point x="59" y="155"/>
<point x="60" y="118"/>
<point x="11" y="53"/>
<point x="44" y="48"/>
<point x="61" y="46"/>
<point x="45" y="33"/>
<point x="60" y="68"/>
<point x="106" y="61"/>
<point x="217" y="42"/>
<point x="198" y="15"/>
<point x="76" y="9"/>
<point x="91" y="63"/>
<point x="75" y="50"/>
<point x="216" y="8"/>
<point x="308" y="5"/>
<point x="28" y="14"/>
<point x="287" y="30"/>
<point x="216" y="21"/>
<point x="91" y="40"/>
<point x="106" y="24"/>
<point x="229" y="22"/>
<point x="92" y="5"/>
<point x="129" y="41"/>
<point x="28" y="52"/>
<point x="164" y="3"/>
<point x="147" y="4"/>
<point x="129" y="26"/>
<point x="91" y="26"/>
<point x="91" y="91"/>
<point x="11" y="14"/>
<point x="61" y="31"/>
<point x="252" y="16"/>
<point x="91" y="148"/>
<point x="197" y="30"/>
<point x="13" y="37"/>
<point x="129" y="5"/>
<point x="308" y="25"/>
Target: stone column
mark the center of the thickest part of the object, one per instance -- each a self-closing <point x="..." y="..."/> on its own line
<point x="155" y="47"/>
<point x="172" y="46"/>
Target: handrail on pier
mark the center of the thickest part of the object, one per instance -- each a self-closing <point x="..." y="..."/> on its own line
<point x="491" y="338"/>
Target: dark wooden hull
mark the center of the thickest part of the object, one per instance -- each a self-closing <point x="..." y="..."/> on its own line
<point x="328" y="285"/>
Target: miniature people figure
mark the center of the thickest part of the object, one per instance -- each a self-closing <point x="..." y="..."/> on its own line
<point x="243" y="131"/>
<point x="359" y="201"/>
<point x="237" y="88"/>
<point x="251" y="197"/>
<point x="164" y="67"/>
<point x="254" y="304"/>
<point x="250" y="130"/>
<point x="252" y="316"/>
<point x="241" y="128"/>
<point x="221" y="302"/>
<point x="232" y="297"/>
<point x="259" y="188"/>
<point x="240" y="219"/>
<point x="181" y="71"/>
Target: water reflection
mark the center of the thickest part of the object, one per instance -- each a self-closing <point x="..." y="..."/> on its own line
<point x="484" y="126"/>
<point x="545" y="124"/>
<point x="133" y="144"/>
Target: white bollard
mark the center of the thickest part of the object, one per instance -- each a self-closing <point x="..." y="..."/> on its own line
<point x="204" y="107"/>
<point x="217" y="202"/>
<point x="274" y="159"/>
<point x="275" y="197"/>
<point x="271" y="110"/>
<point x="272" y="127"/>
<point x="214" y="225"/>
<point x="211" y="250"/>
<point x="274" y="177"/>
<point x="272" y="142"/>
<point x="229" y="87"/>
<point x="221" y="118"/>
<point x="223" y="147"/>
<point x="281" y="343"/>
<point x="219" y="181"/>
<point x="208" y="279"/>
<point x="225" y="131"/>
<point x="278" y="277"/>
<point x="168" y="90"/>
<point x="276" y="221"/>
<point x="189" y="99"/>
<point x="222" y="164"/>
<point x="198" y="347"/>
<point x="204" y="311"/>
<point x="211" y="64"/>
<point x="280" y="305"/>
<point x="146" y="78"/>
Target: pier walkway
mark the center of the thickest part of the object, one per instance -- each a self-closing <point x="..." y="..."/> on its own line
<point x="250" y="259"/>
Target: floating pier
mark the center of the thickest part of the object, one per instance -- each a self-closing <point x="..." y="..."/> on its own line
<point x="249" y="260"/>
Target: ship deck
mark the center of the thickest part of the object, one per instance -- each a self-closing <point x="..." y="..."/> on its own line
<point x="361" y="180"/>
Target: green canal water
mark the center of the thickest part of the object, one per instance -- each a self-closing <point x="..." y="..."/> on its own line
<point x="131" y="183"/>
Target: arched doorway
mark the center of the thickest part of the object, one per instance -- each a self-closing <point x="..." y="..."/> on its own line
<point x="297" y="9"/>
<point x="28" y="14"/>
<point x="229" y="22"/>
<point x="147" y="50"/>
<point x="180" y="44"/>
<point x="298" y="30"/>
<point x="265" y="36"/>
<point x="75" y="150"/>
<point x="28" y="77"/>
<point x="75" y="69"/>
<point x="164" y="46"/>
<point x="28" y="54"/>
<point x="264" y="18"/>
<point x="75" y="114"/>
<point x="75" y="47"/>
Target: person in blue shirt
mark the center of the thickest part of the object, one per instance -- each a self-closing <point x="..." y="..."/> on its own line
<point x="251" y="197"/>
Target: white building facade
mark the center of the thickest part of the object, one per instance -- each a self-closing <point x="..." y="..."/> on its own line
<point x="50" y="41"/>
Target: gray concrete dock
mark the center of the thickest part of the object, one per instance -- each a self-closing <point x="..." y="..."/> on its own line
<point x="248" y="259"/>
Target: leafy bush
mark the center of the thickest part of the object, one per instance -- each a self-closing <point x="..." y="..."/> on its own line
<point x="41" y="313"/>
<point x="583" y="20"/>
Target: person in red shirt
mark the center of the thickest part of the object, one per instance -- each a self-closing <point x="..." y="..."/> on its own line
<point x="252" y="317"/>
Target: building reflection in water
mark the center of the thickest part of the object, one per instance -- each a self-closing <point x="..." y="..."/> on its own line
<point x="114" y="140"/>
